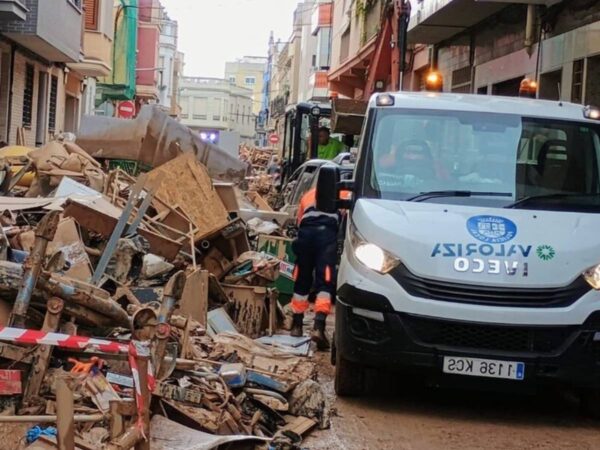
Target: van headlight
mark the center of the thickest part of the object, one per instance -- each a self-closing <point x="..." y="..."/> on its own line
<point x="371" y="255"/>
<point x="592" y="276"/>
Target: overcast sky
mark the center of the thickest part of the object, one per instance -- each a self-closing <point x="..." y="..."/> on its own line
<point x="214" y="31"/>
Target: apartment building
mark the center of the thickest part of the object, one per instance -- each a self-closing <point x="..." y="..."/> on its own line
<point x="168" y="66"/>
<point x="212" y="105"/>
<point x="248" y="73"/>
<point x="40" y="95"/>
<point x="148" y="71"/>
<point x="357" y="30"/>
<point x="491" y="49"/>
<point x="96" y="61"/>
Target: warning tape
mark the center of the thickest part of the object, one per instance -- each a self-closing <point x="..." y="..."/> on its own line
<point x="137" y="349"/>
<point x="37" y="337"/>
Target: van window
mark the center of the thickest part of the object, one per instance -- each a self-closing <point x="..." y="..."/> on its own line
<point x="417" y="151"/>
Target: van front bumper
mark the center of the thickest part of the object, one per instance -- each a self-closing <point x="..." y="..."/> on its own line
<point x="369" y="332"/>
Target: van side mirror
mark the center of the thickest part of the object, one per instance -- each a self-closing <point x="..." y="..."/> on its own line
<point x="327" y="189"/>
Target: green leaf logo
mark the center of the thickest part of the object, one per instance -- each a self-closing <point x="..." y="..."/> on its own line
<point x="545" y="252"/>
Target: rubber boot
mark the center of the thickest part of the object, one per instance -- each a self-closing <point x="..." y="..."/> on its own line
<point x="297" y="325"/>
<point x="318" y="335"/>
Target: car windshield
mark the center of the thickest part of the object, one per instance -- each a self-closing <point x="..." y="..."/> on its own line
<point x="539" y="163"/>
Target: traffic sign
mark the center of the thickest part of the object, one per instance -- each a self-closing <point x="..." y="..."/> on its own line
<point x="274" y="139"/>
<point x="126" y="110"/>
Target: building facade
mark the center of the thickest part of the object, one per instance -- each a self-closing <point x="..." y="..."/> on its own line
<point x="492" y="49"/>
<point x="248" y="73"/>
<point x="97" y="49"/>
<point x="120" y="84"/>
<point x="213" y="105"/>
<point x="357" y="29"/>
<point x="168" y="64"/>
<point x="148" y="71"/>
<point x="40" y="95"/>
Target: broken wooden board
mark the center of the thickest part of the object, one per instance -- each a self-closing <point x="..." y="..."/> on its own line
<point x="102" y="223"/>
<point x="227" y="194"/>
<point x="298" y="424"/>
<point x="100" y="391"/>
<point x="194" y="300"/>
<point x="67" y="241"/>
<point x="257" y="201"/>
<point x="280" y="364"/>
<point x="249" y="311"/>
<point x="186" y="184"/>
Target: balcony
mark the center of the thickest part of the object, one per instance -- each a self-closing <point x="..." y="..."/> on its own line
<point x="12" y="10"/>
<point x="322" y="17"/>
<point x="432" y="22"/>
<point x="319" y="85"/>
<point x="55" y="32"/>
<point x="97" y="41"/>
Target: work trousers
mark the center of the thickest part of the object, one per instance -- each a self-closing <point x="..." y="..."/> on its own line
<point x="316" y="257"/>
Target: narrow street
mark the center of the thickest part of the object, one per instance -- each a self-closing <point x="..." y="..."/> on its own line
<point x="411" y="417"/>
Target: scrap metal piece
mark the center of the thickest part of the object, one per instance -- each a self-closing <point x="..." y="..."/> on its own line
<point x="41" y="356"/>
<point x="134" y="197"/>
<point x="86" y="296"/>
<point x="172" y="294"/>
<point x="32" y="267"/>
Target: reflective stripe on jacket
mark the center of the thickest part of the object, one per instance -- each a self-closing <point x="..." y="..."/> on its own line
<point x="308" y="212"/>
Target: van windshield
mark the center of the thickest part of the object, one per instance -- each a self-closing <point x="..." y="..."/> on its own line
<point x="529" y="162"/>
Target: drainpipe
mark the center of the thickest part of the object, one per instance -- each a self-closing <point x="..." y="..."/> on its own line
<point x="13" y="52"/>
<point x="530" y="29"/>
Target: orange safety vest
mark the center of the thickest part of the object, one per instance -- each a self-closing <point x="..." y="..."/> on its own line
<point x="308" y="208"/>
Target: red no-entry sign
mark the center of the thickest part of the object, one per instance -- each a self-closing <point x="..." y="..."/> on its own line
<point x="274" y="139"/>
<point x="126" y="110"/>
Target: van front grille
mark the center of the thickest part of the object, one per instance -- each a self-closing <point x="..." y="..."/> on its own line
<point x="489" y="295"/>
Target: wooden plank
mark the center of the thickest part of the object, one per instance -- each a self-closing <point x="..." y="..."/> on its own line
<point x="68" y="241"/>
<point x="103" y="224"/>
<point x="187" y="184"/>
<point x="298" y="425"/>
<point x="194" y="300"/>
<point x="249" y="310"/>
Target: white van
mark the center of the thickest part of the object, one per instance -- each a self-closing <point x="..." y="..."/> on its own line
<point x="473" y="243"/>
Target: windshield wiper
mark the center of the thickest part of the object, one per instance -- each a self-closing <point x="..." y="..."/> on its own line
<point x="437" y="194"/>
<point x="549" y="197"/>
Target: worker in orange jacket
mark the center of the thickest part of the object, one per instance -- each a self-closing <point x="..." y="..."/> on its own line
<point x="316" y="253"/>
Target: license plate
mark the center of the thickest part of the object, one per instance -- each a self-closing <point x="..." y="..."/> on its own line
<point x="489" y="368"/>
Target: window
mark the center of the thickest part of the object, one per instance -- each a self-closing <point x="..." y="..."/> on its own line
<point x="53" y="103"/>
<point x="577" y="86"/>
<point x="28" y="95"/>
<point x="76" y="3"/>
<point x="232" y="79"/>
<point x="345" y="46"/>
<point x="250" y="81"/>
<point x="200" y="107"/>
<point x="552" y="164"/>
<point x="91" y="14"/>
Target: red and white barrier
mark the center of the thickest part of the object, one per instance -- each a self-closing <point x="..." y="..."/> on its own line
<point x="37" y="337"/>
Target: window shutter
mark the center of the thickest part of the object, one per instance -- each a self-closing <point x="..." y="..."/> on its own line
<point x="91" y="14"/>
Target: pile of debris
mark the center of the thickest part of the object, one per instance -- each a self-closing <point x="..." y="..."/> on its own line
<point x="143" y="309"/>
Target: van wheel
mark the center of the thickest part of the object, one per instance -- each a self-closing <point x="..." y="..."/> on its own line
<point x="590" y="403"/>
<point x="349" y="377"/>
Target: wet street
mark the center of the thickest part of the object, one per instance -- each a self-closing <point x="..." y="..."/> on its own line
<point x="406" y="416"/>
